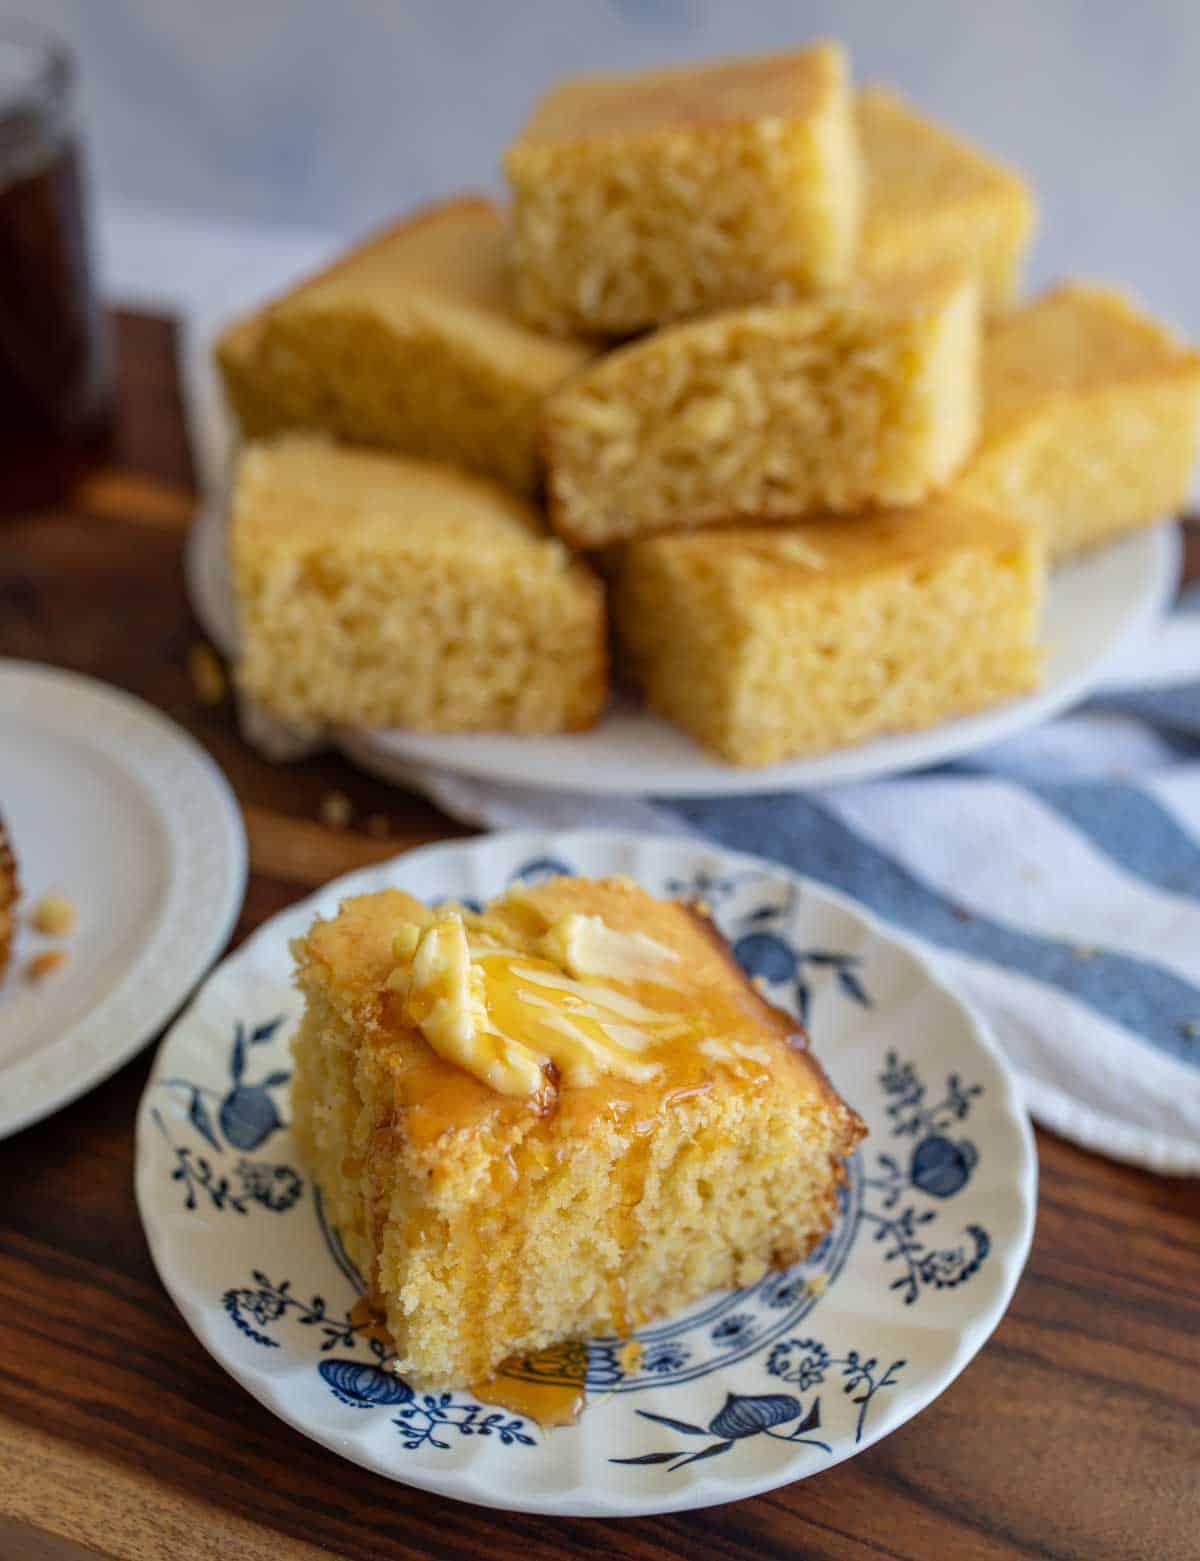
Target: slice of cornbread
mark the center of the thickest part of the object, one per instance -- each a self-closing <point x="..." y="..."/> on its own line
<point x="793" y="640"/>
<point x="412" y="343"/>
<point x="375" y="590"/>
<point x="868" y="395"/>
<point x="9" y="890"/>
<point x="556" y="1118"/>
<point x="1090" y="413"/>
<point x="932" y="198"/>
<point x="641" y="199"/>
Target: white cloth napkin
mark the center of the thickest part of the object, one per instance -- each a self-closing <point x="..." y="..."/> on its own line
<point x="1054" y="879"/>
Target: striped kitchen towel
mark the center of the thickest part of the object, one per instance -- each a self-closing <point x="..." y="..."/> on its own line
<point x="1054" y="879"/>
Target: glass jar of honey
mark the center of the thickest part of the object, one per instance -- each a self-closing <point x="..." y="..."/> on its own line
<point x="55" y="352"/>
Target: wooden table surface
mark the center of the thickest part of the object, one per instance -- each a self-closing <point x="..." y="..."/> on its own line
<point x="1075" y="1433"/>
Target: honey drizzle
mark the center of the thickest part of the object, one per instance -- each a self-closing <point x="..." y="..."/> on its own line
<point x="629" y="1356"/>
<point x="548" y="1386"/>
<point x="556" y="1401"/>
<point x="369" y="1320"/>
<point x="631" y="1173"/>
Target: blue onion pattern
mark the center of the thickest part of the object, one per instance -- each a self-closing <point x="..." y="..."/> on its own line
<point x="363" y="1385"/>
<point x="940" y="1166"/>
<point x="425" y="1421"/>
<point x="735" y="1327"/>
<point x="540" y="868"/>
<point x="743" y="1415"/>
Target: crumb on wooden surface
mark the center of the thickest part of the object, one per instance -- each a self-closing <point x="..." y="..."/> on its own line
<point x="53" y="915"/>
<point x="336" y="810"/>
<point x="207" y="674"/>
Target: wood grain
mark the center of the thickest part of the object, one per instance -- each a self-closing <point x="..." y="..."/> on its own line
<point x="63" y="1501"/>
<point x="1076" y="1433"/>
<point x="297" y="851"/>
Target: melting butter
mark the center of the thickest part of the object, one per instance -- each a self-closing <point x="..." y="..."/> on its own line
<point x="445" y="997"/>
<point x="587" y="946"/>
<point x="506" y="1017"/>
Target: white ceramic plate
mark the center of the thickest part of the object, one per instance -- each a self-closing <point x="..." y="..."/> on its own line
<point x="1095" y="609"/>
<point x="746" y="1390"/>
<point x="114" y="806"/>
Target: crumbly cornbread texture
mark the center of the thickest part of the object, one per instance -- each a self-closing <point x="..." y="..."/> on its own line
<point x="9" y="890"/>
<point x="376" y="590"/>
<point x="932" y="198"/>
<point x="642" y="199"/>
<point x="868" y="395"/>
<point x="412" y="343"/>
<point x="794" y="640"/>
<point x="490" y="1224"/>
<point x="1090" y="412"/>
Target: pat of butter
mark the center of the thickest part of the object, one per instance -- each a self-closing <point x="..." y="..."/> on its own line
<point x="506" y="1016"/>
<point x="585" y="946"/>
<point x="444" y="998"/>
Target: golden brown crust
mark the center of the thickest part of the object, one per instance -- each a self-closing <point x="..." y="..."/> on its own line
<point x="647" y="198"/>
<point x="9" y="891"/>
<point x="240" y="336"/>
<point x="931" y="194"/>
<point x="734" y="91"/>
<point x="787" y="621"/>
<point x="353" y="952"/>
<point x="786" y="1024"/>
<point x="1089" y="417"/>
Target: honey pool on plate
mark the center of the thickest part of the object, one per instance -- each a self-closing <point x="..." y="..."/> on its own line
<point x="548" y="1386"/>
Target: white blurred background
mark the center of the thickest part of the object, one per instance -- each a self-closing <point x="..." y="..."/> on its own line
<point x="328" y="115"/>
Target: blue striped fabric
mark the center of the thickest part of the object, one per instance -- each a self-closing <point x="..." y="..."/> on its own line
<point x="1143" y="997"/>
<point x="1129" y="825"/>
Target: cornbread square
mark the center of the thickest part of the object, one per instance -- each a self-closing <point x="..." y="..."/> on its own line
<point x="1090" y="412"/>
<point x="641" y="199"/>
<point x="411" y="343"/>
<point x="869" y="395"/>
<point x="9" y="890"/>
<point x="555" y="1118"/>
<point x="933" y="199"/>
<point x="375" y="590"/>
<point x="769" y="644"/>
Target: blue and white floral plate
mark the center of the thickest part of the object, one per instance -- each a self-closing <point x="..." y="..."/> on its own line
<point x="742" y="1392"/>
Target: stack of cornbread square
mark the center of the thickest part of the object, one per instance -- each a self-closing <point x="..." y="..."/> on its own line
<point x="742" y="379"/>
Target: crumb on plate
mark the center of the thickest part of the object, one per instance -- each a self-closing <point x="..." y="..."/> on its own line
<point x="45" y="964"/>
<point x="53" y="915"/>
<point x="207" y="674"/>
